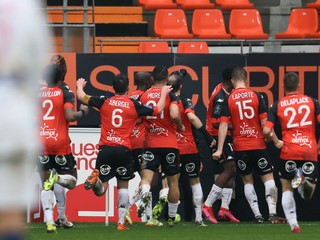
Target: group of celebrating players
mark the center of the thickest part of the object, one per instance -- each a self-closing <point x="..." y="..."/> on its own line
<point x="152" y="130"/>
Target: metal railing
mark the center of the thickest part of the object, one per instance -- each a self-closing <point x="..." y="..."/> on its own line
<point x="85" y="25"/>
<point x="220" y="42"/>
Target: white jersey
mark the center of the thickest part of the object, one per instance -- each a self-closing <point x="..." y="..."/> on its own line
<point x="23" y="43"/>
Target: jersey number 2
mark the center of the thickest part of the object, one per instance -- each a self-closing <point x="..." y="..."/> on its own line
<point x="294" y="112"/>
<point x="47" y="116"/>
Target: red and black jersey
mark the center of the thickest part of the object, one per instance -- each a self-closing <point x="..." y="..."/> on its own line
<point x="246" y="109"/>
<point x="218" y="98"/>
<point x="118" y="116"/>
<point x="138" y="130"/>
<point x="186" y="140"/>
<point x="299" y="116"/>
<point x="160" y="130"/>
<point x="54" y="128"/>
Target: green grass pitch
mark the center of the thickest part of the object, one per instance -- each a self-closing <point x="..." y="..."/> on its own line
<point x="183" y="231"/>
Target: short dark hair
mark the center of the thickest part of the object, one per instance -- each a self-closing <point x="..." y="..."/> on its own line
<point x="227" y="72"/>
<point x="160" y="73"/>
<point x="52" y="74"/>
<point x="175" y="80"/>
<point x="60" y="61"/>
<point x="143" y="80"/>
<point x="239" y="73"/>
<point x="291" y="81"/>
<point x="120" y="83"/>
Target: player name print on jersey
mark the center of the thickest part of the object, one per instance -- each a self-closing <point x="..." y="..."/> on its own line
<point x="293" y="101"/>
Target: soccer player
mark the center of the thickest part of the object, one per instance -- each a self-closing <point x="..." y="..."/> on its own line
<point x="224" y="183"/>
<point x="57" y="111"/>
<point x="299" y="117"/>
<point x="23" y="42"/>
<point x="161" y="147"/>
<point x="189" y="158"/>
<point x="60" y="191"/>
<point x="248" y="114"/>
<point x="118" y="114"/>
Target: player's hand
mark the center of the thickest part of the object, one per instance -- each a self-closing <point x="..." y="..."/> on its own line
<point x="217" y="155"/>
<point x="181" y="128"/>
<point x="279" y="144"/>
<point x="166" y="89"/>
<point x="81" y="83"/>
<point x="85" y="109"/>
<point x="213" y="143"/>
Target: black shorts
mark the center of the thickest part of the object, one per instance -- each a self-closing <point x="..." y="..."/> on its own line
<point x="115" y="161"/>
<point x="64" y="164"/>
<point x="288" y="167"/>
<point x="190" y="165"/>
<point x="168" y="158"/>
<point x="258" y="160"/>
<point x="227" y="153"/>
<point x="137" y="159"/>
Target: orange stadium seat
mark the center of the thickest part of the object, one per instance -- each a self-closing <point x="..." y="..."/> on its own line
<point x="194" y="4"/>
<point x="157" y="4"/>
<point x="171" y="23"/>
<point x="315" y="4"/>
<point x="302" y="22"/>
<point x="209" y="24"/>
<point x="234" y="4"/>
<point x="246" y="24"/>
<point x="154" y="47"/>
<point x="193" y="47"/>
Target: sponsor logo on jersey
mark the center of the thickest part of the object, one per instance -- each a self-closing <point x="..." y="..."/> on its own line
<point x="48" y="132"/>
<point x="248" y="131"/>
<point x="290" y="166"/>
<point x="180" y="137"/>
<point x="190" y="167"/>
<point x="308" y="168"/>
<point x="43" y="159"/>
<point x="220" y="100"/>
<point x="170" y="158"/>
<point x="158" y="130"/>
<point x="61" y="160"/>
<point x="242" y="165"/>
<point x="135" y="132"/>
<point x="112" y="137"/>
<point x="121" y="171"/>
<point x="105" y="169"/>
<point x="262" y="163"/>
<point x="298" y="138"/>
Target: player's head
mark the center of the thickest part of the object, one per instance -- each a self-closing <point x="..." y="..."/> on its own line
<point x="143" y="80"/>
<point x="291" y="82"/>
<point x="160" y="74"/>
<point x="52" y="74"/>
<point x="226" y="76"/>
<point x="60" y="61"/>
<point x="120" y="84"/>
<point x="175" y="80"/>
<point x="238" y="75"/>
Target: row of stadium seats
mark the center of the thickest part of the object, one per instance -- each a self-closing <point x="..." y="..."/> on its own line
<point x="195" y="4"/>
<point x="183" y="47"/>
<point x="243" y="24"/>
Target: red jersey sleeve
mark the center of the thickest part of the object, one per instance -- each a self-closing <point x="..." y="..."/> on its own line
<point x="174" y="99"/>
<point x="188" y="106"/>
<point x="68" y="97"/>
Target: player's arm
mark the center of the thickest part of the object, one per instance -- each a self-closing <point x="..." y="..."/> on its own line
<point x="175" y="114"/>
<point x="217" y="106"/>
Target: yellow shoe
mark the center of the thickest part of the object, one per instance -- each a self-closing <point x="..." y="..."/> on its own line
<point x="154" y="222"/>
<point x="53" y="178"/>
<point x="177" y="218"/>
<point x="128" y="218"/>
<point x="51" y="228"/>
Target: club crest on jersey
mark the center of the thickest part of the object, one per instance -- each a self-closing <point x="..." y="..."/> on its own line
<point x="43" y="159"/>
<point x="217" y="110"/>
<point x="48" y="132"/>
<point x="158" y="130"/>
<point x="105" y="169"/>
<point x="290" y="166"/>
<point x="112" y="137"/>
<point x="180" y="137"/>
<point x="248" y="131"/>
<point x="308" y="168"/>
<point x="242" y="165"/>
<point x="135" y="132"/>
<point x="147" y="156"/>
<point x="298" y="138"/>
<point x="121" y="171"/>
<point x="61" y="160"/>
<point x="262" y="163"/>
<point x="190" y="167"/>
<point x="170" y="158"/>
